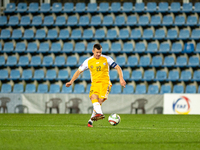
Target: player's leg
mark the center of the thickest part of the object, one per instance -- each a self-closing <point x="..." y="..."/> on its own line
<point x="90" y="122"/>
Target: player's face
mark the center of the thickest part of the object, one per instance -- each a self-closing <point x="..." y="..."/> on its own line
<point x="97" y="53"/>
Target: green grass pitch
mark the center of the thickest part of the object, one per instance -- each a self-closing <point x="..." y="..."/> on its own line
<point x="70" y="132"/>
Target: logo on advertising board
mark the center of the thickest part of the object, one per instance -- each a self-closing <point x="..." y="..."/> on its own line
<point x="182" y="105"/>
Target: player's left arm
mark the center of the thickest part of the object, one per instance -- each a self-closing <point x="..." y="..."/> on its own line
<point x="119" y="70"/>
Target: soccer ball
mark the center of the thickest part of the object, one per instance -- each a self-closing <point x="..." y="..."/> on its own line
<point x="114" y="119"/>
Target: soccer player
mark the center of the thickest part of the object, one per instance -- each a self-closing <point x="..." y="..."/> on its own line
<point x="98" y="65"/>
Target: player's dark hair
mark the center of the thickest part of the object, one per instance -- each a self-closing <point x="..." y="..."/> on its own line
<point x="97" y="46"/>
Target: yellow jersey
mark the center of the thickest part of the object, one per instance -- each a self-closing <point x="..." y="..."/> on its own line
<point x="99" y="68"/>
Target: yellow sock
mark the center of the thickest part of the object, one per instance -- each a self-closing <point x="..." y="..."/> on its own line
<point x="94" y="101"/>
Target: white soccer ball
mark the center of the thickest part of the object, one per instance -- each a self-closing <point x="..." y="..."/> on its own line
<point x="114" y="119"/>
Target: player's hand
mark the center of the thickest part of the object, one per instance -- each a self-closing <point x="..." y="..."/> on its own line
<point x="123" y="83"/>
<point x="68" y="84"/>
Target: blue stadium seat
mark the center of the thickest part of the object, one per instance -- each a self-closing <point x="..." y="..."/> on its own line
<point x="86" y="75"/>
<point x="157" y="61"/>
<point x="76" y="34"/>
<point x="42" y="88"/>
<point x="100" y="34"/>
<point x="172" y="34"/>
<point x="66" y="89"/>
<point x="177" y="47"/>
<point x="5" y="34"/>
<point x="116" y="47"/>
<point x="195" y="34"/>
<point x="39" y="74"/>
<point x="84" y="20"/>
<point x="90" y="47"/>
<point x="115" y="7"/>
<point x="72" y="61"/>
<point x="169" y="61"/>
<point x="28" y="34"/>
<point x="197" y="50"/>
<point x="140" y="47"/>
<point x="60" y="21"/>
<point x="79" y="89"/>
<point x="88" y="88"/>
<point x="168" y="20"/>
<point x="153" y="89"/>
<point x="47" y="61"/>
<point x="192" y="20"/>
<point x="16" y="34"/>
<point x="163" y="7"/>
<point x="68" y="47"/>
<point x="82" y="59"/>
<point x="96" y="20"/>
<point x="56" y="47"/>
<point x="126" y="75"/>
<point x="159" y="34"/>
<point x="52" y="34"/>
<point x="68" y="7"/>
<point x="103" y="7"/>
<point x="132" y="61"/>
<point x="32" y="47"/>
<point x="44" y="47"/>
<point x="181" y="61"/>
<point x="178" y="89"/>
<point x="116" y="89"/>
<point x="30" y="88"/>
<point x="112" y="34"/>
<point x="64" y="34"/>
<point x="197" y="7"/>
<point x="40" y="34"/>
<point x="193" y="61"/>
<point x="105" y="47"/>
<point x="56" y="8"/>
<point x="136" y="33"/>
<point x="88" y="34"/>
<point x="33" y="7"/>
<point x="155" y="20"/>
<point x="152" y="47"/>
<point x="188" y="47"/>
<point x="2" y="60"/>
<point x="120" y="20"/>
<point x="3" y="20"/>
<point x="127" y="7"/>
<point x="3" y="74"/>
<point x="164" y="47"/>
<point x="8" y="47"/>
<point x="136" y="75"/>
<point x="25" y="21"/>
<point x="13" y="21"/>
<point x="15" y="74"/>
<point x="27" y="74"/>
<point x="131" y="20"/>
<point x="187" y="7"/>
<point x="35" y="61"/>
<point x="184" y="34"/>
<point x="11" y="61"/>
<point x="37" y="21"/>
<point x="23" y="61"/>
<point x="48" y="20"/>
<point x="72" y="20"/>
<point x="180" y="20"/>
<point x="80" y="7"/>
<point x="196" y="75"/>
<point x="18" y="88"/>
<point x="190" y="89"/>
<point x="59" y="61"/>
<point x="21" y="7"/>
<point x="10" y="8"/>
<point x="149" y="75"/>
<point x="79" y="47"/>
<point x="151" y="7"/>
<point x="173" y="75"/>
<point x="63" y="74"/>
<point x="148" y="34"/>
<point x="128" y="90"/>
<point x="144" y="20"/>
<point x="54" y="88"/>
<point x="108" y="20"/>
<point x="175" y="7"/>
<point x="113" y="75"/>
<point x="45" y="8"/>
<point x="144" y="61"/>
<point x="128" y="47"/>
<point x="121" y="60"/>
<point x="51" y="75"/>
<point x="161" y="75"/>
<point x="6" y="88"/>
<point x="139" y="7"/>
<point x="165" y="89"/>
<point x="140" y="89"/>
<point x="92" y="7"/>
<point x="186" y="75"/>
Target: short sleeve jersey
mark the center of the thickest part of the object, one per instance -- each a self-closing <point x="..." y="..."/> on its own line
<point x="99" y="68"/>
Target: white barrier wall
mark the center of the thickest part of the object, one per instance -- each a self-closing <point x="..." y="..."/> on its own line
<point x="181" y="103"/>
<point x="122" y="104"/>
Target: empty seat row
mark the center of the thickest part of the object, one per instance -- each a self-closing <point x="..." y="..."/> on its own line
<point x="103" y="7"/>
<point x="116" y="88"/>
<point x="102" y="33"/>
<point x="101" y="20"/>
